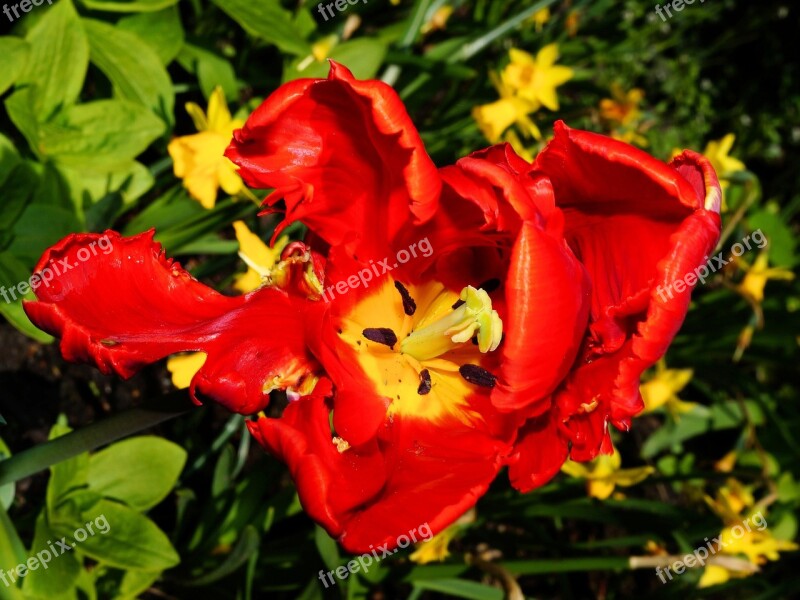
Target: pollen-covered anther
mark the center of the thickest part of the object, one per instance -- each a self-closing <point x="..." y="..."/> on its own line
<point x="588" y="407"/>
<point x="342" y="445"/>
<point x="474" y="316"/>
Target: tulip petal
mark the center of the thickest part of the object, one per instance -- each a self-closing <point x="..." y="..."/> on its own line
<point x="129" y="305"/>
<point x="345" y="157"/>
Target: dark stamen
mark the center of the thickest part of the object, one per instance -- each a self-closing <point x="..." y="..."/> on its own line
<point x="381" y="335"/>
<point x="457" y="304"/>
<point x="477" y="375"/>
<point x="424" y="382"/>
<point x="490" y="285"/>
<point x="409" y="306"/>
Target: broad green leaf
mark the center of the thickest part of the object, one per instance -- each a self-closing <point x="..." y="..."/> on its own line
<point x="18" y="188"/>
<point x="362" y="56"/>
<point x="67" y="475"/>
<point x="139" y="471"/>
<point x="38" y="228"/>
<point x="131" y="6"/>
<point x="131" y="540"/>
<point x="12" y="553"/>
<point x="134" y="583"/>
<point x="161" y="30"/>
<point x="268" y="20"/>
<point x="6" y="491"/>
<point x="21" y="111"/>
<point x="14" y="54"/>
<point x="58" y="59"/>
<point x="15" y="315"/>
<point x="327" y="548"/>
<point x="210" y="69"/>
<point x="782" y="242"/>
<point x="104" y="134"/>
<point x="130" y="180"/>
<point x="134" y="68"/>
<point x="58" y="570"/>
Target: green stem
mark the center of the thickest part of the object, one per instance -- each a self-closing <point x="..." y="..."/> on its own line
<point x="93" y="436"/>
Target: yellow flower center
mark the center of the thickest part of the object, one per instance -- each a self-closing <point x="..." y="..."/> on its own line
<point x="425" y="347"/>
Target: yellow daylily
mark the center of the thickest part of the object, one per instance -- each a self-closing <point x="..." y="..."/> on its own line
<point x="436" y="549"/>
<point x="438" y="21"/>
<point x="199" y="158"/>
<point x="183" y="367"/>
<point x="540" y="18"/>
<point x="496" y="117"/>
<point x="623" y="107"/>
<point x="757" y="276"/>
<point x="536" y="79"/>
<point x="745" y="533"/>
<point x="259" y="257"/>
<point x="260" y="260"/>
<point x="718" y="152"/>
<point x="663" y="389"/>
<point x="603" y="474"/>
<point x="621" y="112"/>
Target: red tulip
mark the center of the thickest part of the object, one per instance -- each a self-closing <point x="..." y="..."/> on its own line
<point x="507" y="316"/>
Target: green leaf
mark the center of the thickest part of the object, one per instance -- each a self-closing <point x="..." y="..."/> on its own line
<point x="18" y="188"/>
<point x="246" y="546"/>
<point x="327" y="548"/>
<point x="58" y="571"/>
<point x="14" y="54"/>
<point x="139" y="471"/>
<point x="7" y="491"/>
<point x="58" y="60"/>
<point x="122" y="6"/>
<point x="12" y="273"/>
<point x="134" y="583"/>
<point x="38" y="228"/>
<point x="15" y="315"/>
<point x="362" y="56"/>
<point x="211" y="71"/>
<point x="21" y="111"/>
<point x="12" y="553"/>
<point x="104" y="134"/>
<point x="781" y="239"/>
<point x="268" y="20"/>
<point x="132" y="66"/>
<point x="65" y="476"/>
<point x="161" y="30"/>
<point x="132" y="541"/>
<point x="460" y="588"/>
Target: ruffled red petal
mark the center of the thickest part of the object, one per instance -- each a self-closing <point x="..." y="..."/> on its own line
<point x="128" y="305"/>
<point x="345" y="157"/>
<point x="637" y="225"/>
<point x="411" y="479"/>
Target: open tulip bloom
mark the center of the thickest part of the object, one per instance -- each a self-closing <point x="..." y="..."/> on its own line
<point x="515" y="343"/>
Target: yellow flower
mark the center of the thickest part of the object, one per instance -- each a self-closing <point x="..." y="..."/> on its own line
<point x="623" y="107"/>
<point x="436" y="548"/>
<point x="259" y="257"/>
<point x="183" y="367"/>
<point x="540" y="18"/>
<point x="717" y="152"/>
<point x="745" y="534"/>
<point x="494" y="118"/>
<point x="199" y="158"/>
<point x="260" y="260"/>
<point x="603" y="474"/>
<point x="438" y="21"/>
<point x="536" y="79"/>
<point x="755" y="280"/>
<point x="663" y="388"/>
